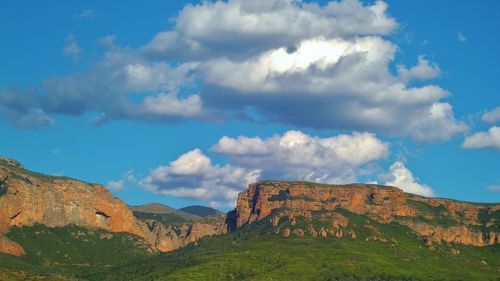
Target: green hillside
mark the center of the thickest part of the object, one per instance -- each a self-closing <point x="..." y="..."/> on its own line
<point x="201" y="211"/>
<point x="165" y="219"/>
<point x="256" y="252"/>
<point x="62" y="253"/>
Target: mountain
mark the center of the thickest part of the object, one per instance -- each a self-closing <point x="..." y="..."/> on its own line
<point x="300" y="208"/>
<point x="201" y="211"/>
<point x="155" y="208"/>
<point x="57" y="228"/>
<point x="307" y="231"/>
<point x="28" y="199"/>
<point x="164" y="214"/>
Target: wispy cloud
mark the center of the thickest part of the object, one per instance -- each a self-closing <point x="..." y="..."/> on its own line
<point x="71" y="48"/>
<point x="492" y="116"/>
<point x="85" y="14"/>
<point x="494" y="188"/>
<point x="461" y="37"/>
<point x="118" y="185"/>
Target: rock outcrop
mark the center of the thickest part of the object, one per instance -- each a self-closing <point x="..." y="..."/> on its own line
<point x="436" y="220"/>
<point x="172" y="237"/>
<point x="28" y="198"/>
<point x="9" y="247"/>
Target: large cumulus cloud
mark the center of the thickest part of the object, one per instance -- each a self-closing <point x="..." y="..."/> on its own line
<point x="240" y="27"/>
<point x="194" y="176"/>
<point x="296" y="155"/>
<point x="301" y="63"/>
<point x="291" y="156"/>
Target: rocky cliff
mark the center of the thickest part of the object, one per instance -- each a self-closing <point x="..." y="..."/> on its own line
<point x="321" y="211"/>
<point x="28" y="198"/>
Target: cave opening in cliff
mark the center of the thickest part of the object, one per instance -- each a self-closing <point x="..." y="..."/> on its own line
<point x="102" y="219"/>
<point x="102" y="214"/>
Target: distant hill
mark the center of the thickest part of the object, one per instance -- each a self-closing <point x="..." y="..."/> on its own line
<point x="163" y="213"/>
<point x="156" y="208"/>
<point x="201" y="211"/>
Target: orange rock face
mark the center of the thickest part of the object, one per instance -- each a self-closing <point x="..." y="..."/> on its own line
<point x="27" y="198"/>
<point x="383" y="204"/>
<point x="172" y="237"/>
<point x="58" y="202"/>
<point x="9" y="247"/>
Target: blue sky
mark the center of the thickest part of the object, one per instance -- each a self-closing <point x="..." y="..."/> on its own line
<point x="185" y="103"/>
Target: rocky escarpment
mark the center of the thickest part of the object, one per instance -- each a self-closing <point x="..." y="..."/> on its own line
<point x="172" y="237"/>
<point x="10" y="247"/>
<point x="28" y="198"/>
<point x="321" y="211"/>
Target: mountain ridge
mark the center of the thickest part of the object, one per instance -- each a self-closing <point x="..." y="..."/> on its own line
<point x="435" y="220"/>
<point x="201" y="211"/>
<point x="278" y="230"/>
<point x="28" y="198"/>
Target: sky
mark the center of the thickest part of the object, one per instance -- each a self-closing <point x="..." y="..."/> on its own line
<point x="188" y="102"/>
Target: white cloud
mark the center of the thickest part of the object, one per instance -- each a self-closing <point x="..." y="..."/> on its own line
<point x="335" y="84"/>
<point x="291" y="156"/>
<point x="436" y="122"/>
<point x="123" y="86"/>
<point x="194" y="176"/>
<point x="32" y="119"/>
<point x="85" y="14"/>
<point x="298" y="156"/>
<point x="245" y="27"/>
<point x="71" y="48"/>
<point x="170" y="105"/>
<point x="400" y="176"/>
<point x="493" y="116"/>
<point x="424" y="70"/>
<point x="461" y="37"/>
<point x="120" y="184"/>
<point x="299" y="63"/>
<point x="489" y="139"/>
<point x="494" y="188"/>
<point x="268" y="72"/>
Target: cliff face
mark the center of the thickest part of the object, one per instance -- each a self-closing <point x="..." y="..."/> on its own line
<point x="28" y="198"/>
<point x="58" y="202"/>
<point x="435" y="220"/>
<point x="9" y="247"/>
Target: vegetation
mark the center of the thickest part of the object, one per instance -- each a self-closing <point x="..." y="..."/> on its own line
<point x="3" y="186"/>
<point x="313" y="184"/>
<point x="438" y="215"/>
<point x="165" y="219"/>
<point x="485" y="216"/>
<point x="281" y="196"/>
<point x="257" y="253"/>
<point x="284" y="195"/>
<point x="61" y="253"/>
<point x="201" y="211"/>
<point x="21" y="173"/>
<point x="254" y="252"/>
